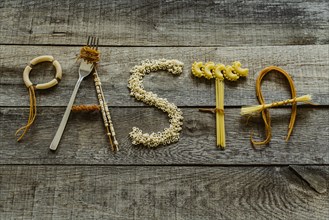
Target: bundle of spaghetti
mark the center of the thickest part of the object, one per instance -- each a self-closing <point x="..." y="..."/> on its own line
<point x="259" y="108"/>
<point x="32" y="114"/>
<point x="263" y="108"/>
<point x="220" y="113"/>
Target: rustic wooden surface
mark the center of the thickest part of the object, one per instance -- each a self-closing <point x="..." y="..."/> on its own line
<point x="119" y="192"/>
<point x="308" y="65"/>
<point x="84" y="140"/>
<point x="190" y="179"/>
<point x="163" y="23"/>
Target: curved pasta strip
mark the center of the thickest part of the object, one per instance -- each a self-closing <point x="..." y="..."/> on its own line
<point x="229" y="74"/>
<point x="208" y="70"/>
<point x="218" y="71"/>
<point x="240" y="71"/>
<point x="197" y="68"/>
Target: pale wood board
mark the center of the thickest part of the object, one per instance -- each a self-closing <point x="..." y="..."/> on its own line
<point x="165" y="23"/>
<point x="143" y="192"/>
<point x="308" y="66"/>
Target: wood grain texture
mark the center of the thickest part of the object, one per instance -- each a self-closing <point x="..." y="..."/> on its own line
<point x="312" y="177"/>
<point x="165" y="23"/>
<point x="84" y="140"/>
<point x="191" y="179"/>
<point x="308" y="66"/>
<point x="89" y="192"/>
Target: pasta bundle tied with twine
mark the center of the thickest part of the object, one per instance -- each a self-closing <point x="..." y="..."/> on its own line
<point x="258" y="108"/>
<point x="263" y="108"/>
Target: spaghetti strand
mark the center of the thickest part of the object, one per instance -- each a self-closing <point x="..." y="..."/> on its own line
<point x="32" y="114"/>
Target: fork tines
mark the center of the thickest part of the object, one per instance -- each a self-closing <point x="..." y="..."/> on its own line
<point x="92" y="42"/>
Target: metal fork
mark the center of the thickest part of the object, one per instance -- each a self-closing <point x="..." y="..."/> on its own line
<point x="84" y="70"/>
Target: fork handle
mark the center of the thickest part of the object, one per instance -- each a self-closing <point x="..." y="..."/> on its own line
<point x="60" y="130"/>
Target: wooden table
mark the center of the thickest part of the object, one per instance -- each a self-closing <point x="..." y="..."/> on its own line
<point x="191" y="179"/>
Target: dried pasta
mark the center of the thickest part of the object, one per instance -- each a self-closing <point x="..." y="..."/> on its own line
<point x="263" y="108"/>
<point x="219" y="72"/>
<point x="168" y="135"/>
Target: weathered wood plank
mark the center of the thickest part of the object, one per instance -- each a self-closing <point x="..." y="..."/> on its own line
<point x="84" y="140"/>
<point x="312" y="177"/>
<point x="89" y="192"/>
<point x="211" y="30"/>
<point x="170" y="23"/>
<point x="308" y="65"/>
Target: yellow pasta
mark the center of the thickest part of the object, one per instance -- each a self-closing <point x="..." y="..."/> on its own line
<point x="219" y="72"/>
<point x="197" y="69"/>
<point x="31" y="87"/>
<point x="230" y="74"/>
<point x="240" y="71"/>
<point x="208" y="70"/>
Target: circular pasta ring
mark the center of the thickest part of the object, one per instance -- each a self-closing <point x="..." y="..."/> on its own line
<point x="208" y="69"/>
<point x="197" y="69"/>
<point x="41" y="59"/>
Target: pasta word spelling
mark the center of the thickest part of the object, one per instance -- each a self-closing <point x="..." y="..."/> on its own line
<point x="168" y="135"/>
